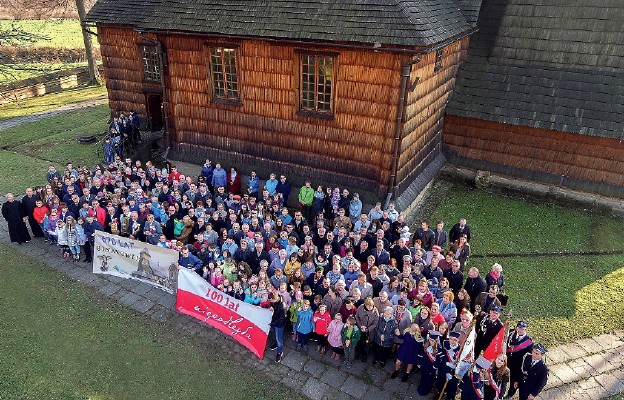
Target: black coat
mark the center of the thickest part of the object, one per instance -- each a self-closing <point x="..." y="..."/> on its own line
<point x="455" y="280"/>
<point x="254" y="260"/>
<point x="487" y="329"/>
<point x="474" y="286"/>
<point x="278" y="320"/>
<point x="535" y="377"/>
<point x="456" y="232"/>
<point x="14" y="213"/>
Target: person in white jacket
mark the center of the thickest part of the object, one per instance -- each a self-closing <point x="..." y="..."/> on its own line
<point x="61" y="238"/>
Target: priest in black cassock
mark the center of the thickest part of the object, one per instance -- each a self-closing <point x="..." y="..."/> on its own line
<point x="13" y="212"/>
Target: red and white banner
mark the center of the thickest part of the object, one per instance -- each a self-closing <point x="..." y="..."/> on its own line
<point x="246" y="323"/>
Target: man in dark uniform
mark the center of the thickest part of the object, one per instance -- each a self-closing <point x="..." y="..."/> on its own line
<point x="13" y="212"/>
<point x="447" y="358"/>
<point x="487" y="328"/>
<point x="472" y="385"/>
<point x="519" y="343"/>
<point x="534" y="374"/>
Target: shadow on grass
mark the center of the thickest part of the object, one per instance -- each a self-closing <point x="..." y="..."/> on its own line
<point x="566" y="298"/>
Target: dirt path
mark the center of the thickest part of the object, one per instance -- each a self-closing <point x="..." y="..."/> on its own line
<point x="17" y="121"/>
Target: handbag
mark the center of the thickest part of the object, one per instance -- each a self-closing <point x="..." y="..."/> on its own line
<point x="503" y="298"/>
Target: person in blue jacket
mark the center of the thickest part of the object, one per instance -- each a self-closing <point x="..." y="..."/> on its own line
<point x="89" y="227"/>
<point x="253" y="184"/>
<point x="188" y="260"/>
<point x="271" y="184"/>
<point x="304" y="326"/>
<point x="219" y="177"/>
<point x="207" y="170"/>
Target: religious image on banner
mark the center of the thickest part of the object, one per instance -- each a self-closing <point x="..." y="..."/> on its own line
<point x="133" y="259"/>
<point x="245" y="323"/>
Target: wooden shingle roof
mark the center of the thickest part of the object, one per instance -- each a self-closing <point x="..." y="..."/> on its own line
<point x="415" y="23"/>
<point x="546" y="64"/>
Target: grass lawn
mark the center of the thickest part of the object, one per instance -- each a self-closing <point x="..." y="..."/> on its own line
<point x="20" y="171"/>
<point x="54" y="139"/>
<point x="512" y="225"/>
<point x="50" y="101"/>
<point x="564" y="298"/>
<point x="62" y="341"/>
<point x="63" y="33"/>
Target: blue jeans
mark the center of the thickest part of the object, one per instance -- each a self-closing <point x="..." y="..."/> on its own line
<point x="75" y="249"/>
<point x="279" y="338"/>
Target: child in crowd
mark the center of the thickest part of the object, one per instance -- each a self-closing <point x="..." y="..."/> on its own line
<point x="321" y="321"/>
<point x="334" y="336"/>
<point x="350" y="335"/>
<point x="292" y="312"/>
<point x="304" y="326"/>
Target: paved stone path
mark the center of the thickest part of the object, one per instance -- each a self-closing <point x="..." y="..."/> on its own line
<point x="586" y="369"/>
<point x="17" y="121"/>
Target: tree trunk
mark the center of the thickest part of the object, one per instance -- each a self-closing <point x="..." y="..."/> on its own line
<point x="94" y="74"/>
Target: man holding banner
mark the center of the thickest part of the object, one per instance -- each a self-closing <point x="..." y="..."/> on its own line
<point x="488" y="327"/>
<point x="278" y="322"/>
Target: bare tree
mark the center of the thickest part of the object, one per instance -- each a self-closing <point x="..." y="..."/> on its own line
<point x="94" y="74"/>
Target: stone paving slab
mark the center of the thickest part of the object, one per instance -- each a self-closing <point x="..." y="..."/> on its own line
<point x="314" y="388"/>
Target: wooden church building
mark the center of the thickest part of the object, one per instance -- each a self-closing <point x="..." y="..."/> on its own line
<point x="541" y="94"/>
<point x="348" y="92"/>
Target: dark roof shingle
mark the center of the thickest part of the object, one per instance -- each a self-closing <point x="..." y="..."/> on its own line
<point x="414" y="23"/>
<point x="545" y="64"/>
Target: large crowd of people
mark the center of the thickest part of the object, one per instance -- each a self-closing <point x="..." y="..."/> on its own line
<point x="354" y="282"/>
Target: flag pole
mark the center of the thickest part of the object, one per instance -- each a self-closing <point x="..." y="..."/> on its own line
<point x="461" y="349"/>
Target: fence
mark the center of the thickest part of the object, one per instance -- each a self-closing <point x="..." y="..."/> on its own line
<point x="50" y="83"/>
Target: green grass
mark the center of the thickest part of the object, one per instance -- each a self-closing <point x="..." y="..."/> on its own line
<point x="50" y="101"/>
<point x="16" y="72"/>
<point x="19" y="171"/>
<point x="512" y="225"/>
<point x="60" y="340"/>
<point x="564" y="298"/>
<point x="63" y="33"/>
<point x="54" y="139"/>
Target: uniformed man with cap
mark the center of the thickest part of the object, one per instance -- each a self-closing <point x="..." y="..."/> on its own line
<point x="519" y="343"/>
<point x="534" y="373"/>
<point x="472" y="385"/>
<point x="447" y="361"/>
<point x="427" y="360"/>
<point x="487" y="328"/>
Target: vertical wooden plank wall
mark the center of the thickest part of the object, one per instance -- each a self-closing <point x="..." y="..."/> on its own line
<point x="552" y="153"/>
<point x="123" y="69"/>
<point x="424" y="112"/>
<point x="353" y="147"/>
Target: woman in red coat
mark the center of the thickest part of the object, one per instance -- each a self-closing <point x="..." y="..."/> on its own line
<point x="234" y="181"/>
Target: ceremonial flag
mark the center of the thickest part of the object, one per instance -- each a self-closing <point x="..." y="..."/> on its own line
<point x="493" y="350"/>
<point x="467" y="355"/>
